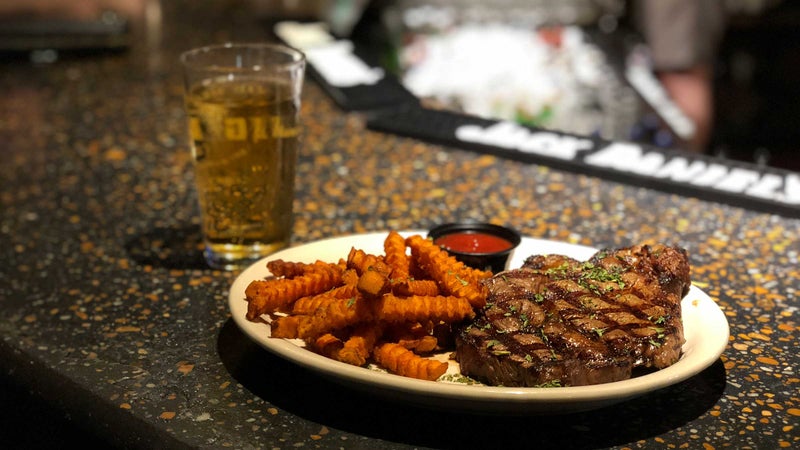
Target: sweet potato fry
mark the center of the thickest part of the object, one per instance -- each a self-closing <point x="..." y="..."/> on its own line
<point x="334" y="315"/>
<point x="286" y="269"/>
<point x="358" y="347"/>
<point x="394" y="248"/>
<point x="409" y="287"/>
<point x="349" y="277"/>
<point x="401" y="361"/>
<point x="418" y="308"/>
<point x="373" y="284"/>
<point x="328" y="345"/>
<point x="452" y="276"/>
<point x="424" y="344"/>
<point x="288" y="327"/>
<point x="361" y="261"/>
<point x="269" y="296"/>
<point x="311" y="304"/>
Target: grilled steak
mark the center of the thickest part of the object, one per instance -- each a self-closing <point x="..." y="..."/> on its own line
<point x="557" y="321"/>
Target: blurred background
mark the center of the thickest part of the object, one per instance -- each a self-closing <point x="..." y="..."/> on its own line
<point x="632" y="70"/>
<point x="566" y="65"/>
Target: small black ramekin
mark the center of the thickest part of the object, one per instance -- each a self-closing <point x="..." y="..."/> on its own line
<point x="494" y="261"/>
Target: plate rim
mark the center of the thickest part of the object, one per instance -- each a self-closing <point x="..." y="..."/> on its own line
<point x="699" y="352"/>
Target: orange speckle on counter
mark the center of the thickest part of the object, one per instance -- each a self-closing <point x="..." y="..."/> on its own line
<point x="767" y="360"/>
<point x="125" y="406"/>
<point x="185" y="368"/>
<point x="760" y="290"/>
<point x="794" y="411"/>
<point x="127" y="329"/>
<point x="167" y="415"/>
<point x="115" y="154"/>
<point x="717" y="243"/>
<point x="759" y="336"/>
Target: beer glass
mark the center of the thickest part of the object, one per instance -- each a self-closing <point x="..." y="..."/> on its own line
<point x="243" y="105"/>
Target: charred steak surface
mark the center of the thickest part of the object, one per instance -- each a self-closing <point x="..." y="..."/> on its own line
<point x="557" y="321"/>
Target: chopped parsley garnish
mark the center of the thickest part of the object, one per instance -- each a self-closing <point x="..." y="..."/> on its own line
<point x="600" y="331"/>
<point x="658" y="320"/>
<point x="460" y="280"/>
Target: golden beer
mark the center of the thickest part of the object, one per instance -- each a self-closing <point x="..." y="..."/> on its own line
<point x="244" y="136"/>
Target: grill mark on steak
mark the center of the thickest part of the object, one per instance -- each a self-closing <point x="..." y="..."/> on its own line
<point x="559" y="321"/>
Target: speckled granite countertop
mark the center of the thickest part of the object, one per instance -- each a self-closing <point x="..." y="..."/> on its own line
<point x="110" y="315"/>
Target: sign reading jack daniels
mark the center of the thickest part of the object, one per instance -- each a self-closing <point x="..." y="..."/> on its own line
<point x="745" y="185"/>
<point x="358" y="85"/>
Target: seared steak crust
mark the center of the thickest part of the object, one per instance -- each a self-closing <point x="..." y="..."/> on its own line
<point x="557" y="321"/>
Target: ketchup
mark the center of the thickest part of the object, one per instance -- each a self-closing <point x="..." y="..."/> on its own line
<point x="473" y="242"/>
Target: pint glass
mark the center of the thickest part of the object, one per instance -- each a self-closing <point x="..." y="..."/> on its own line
<point x="243" y="104"/>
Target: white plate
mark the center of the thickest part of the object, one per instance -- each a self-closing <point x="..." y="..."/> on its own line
<point x="705" y="327"/>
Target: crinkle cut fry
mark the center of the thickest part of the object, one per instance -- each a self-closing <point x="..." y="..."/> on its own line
<point x="411" y="287"/>
<point x="424" y="344"/>
<point x="289" y="327"/>
<point x="401" y="361"/>
<point x="349" y="277"/>
<point x="310" y="304"/>
<point x="394" y="249"/>
<point x="286" y="269"/>
<point x="269" y="296"/>
<point x="358" y="347"/>
<point x="361" y="262"/>
<point x="418" y="308"/>
<point x="354" y="350"/>
<point x="336" y="314"/>
<point x="327" y="345"/>
<point x="452" y="276"/>
<point x="372" y="283"/>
